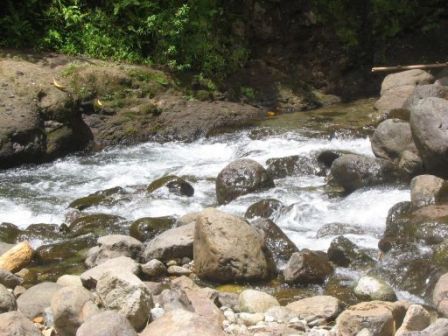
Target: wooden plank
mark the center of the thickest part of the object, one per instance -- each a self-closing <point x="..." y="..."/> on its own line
<point x="410" y="67"/>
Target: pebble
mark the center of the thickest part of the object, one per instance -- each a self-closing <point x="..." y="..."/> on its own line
<point x="178" y="270"/>
<point x="251" y="319"/>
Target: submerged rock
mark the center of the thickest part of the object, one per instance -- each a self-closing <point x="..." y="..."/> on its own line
<point x="342" y="252"/>
<point x="175" y="185"/>
<point x="276" y="241"/>
<point x="227" y="248"/>
<point x="102" y="197"/>
<point x="353" y="172"/>
<point x="98" y="224"/>
<point x="239" y="178"/>
<point x="293" y="165"/>
<point x="147" y="228"/>
<point x="8" y="233"/>
<point x="264" y="208"/>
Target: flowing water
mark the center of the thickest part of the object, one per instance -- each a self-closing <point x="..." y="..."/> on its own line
<point x="41" y="194"/>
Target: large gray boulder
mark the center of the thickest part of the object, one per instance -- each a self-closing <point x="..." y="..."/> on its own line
<point x="307" y="267"/>
<point x="426" y="91"/>
<point x="391" y="138"/>
<point x="241" y="177"/>
<point x="36" y="299"/>
<point x="113" y="246"/>
<point x="429" y="124"/>
<point x="71" y="306"/>
<point x="440" y="295"/>
<point x="108" y="323"/>
<point x="127" y="294"/>
<point x="115" y="266"/>
<point x="353" y="172"/>
<point x="171" y="244"/>
<point x="7" y="300"/>
<point x="16" y="324"/>
<point x="227" y="248"/>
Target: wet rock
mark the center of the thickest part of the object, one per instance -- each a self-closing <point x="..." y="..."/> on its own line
<point x="428" y="189"/>
<point x="416" y="319"/>
<point x="371" y="288"/>
<point x="7" y="300"/>
<point x="353" y="172"/>
<point x="8" y="279"/>
<point x="16" y="324"/>
<point x="98" y="224"/>
<point x="108" y="323"/>
<point x="147" y="228"/>
<point x="65" y="249"/>
<point x="239" y="178"/>
<point x="175" y="185"/>
<point x="337" y="229"/>
<point x="292" y="165"/>
<point x="171" y="244"/>
<point x="71" y="306"/>
<point x="376" y="316"/>
<point x="327" y="157"/>
<point x="69" y="280"/>
<point x="253" y="301"/>
<point x="276" y="241"/>
<point x="428" y="124"/>
<point x="183" y="322"/>
<point x="440" y="295"/>
<point x="36" y="299"/>
<point x="264" y="208"/>
<point x="154" y="268"/>
<point x="113" y="246"/>
<point x="391" y="138"/>
<point x="307" y="267"/>
<point x="9" y="233"/>
<point x="127" y="294"/>
<point x="341" y="287"/>
<point x="103" y="197"/>
<point x="115" y="266"/>
<point x="227" y="248"/>
<point x="320" y="306"/>
<point x="342" y="252"/>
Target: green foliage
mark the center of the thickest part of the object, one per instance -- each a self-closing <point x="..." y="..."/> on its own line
<point x="379" y="19"/>
<point x="184" y="35"/>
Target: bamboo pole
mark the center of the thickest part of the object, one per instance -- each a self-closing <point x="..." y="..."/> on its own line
<point x="410" y="67"/>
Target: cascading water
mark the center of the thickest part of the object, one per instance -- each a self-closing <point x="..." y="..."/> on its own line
<point x="41" y="194"/>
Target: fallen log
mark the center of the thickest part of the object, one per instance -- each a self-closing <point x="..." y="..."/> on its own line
<point x="16" y="257"/>
<point x="410" y="67"/>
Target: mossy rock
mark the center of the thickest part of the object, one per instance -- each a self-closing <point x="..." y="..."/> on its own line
<point x="440" y="256"/>
<point x="63" y="250"/>
<point x="231" y="288"/>
<point x="44" y="232"/>
<point x="341" y="289"/>
<point x="98" y="224"/>
<point x="103" y="197"/>
<point x="145" y="229"/>
<point x="264" y="208"/>
<point x="174" y="184"/>
<point x="9" y="233"/>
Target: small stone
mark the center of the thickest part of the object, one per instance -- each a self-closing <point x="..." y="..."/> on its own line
<point x="154" y="268"/>
<point x="251" y="319"/>
<point x="171" y="263"/>
<point x="253" y="301"/>
<point x="178" y="270"/>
